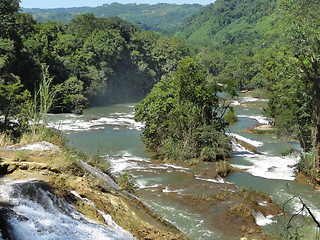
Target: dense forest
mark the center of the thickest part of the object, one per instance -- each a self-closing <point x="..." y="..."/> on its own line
<point x="84" y="56"/>
<point x="270" y="47"/>
<point x="90" y="61"/>
<point x="267" y="46"/>
<point x="161" y="18"/>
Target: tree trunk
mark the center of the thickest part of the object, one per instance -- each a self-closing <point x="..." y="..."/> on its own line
<point x="316" y="140"/>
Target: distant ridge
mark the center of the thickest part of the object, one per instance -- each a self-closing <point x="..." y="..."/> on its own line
<point x="162" y="18"/>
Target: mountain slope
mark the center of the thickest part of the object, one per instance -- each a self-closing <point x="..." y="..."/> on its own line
<point x="230" y="37"/>
<point x="227" y="22"/>
<point x="162" y="18"/>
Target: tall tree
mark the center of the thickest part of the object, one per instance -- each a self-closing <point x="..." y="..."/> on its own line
<point x="301" y="27"/>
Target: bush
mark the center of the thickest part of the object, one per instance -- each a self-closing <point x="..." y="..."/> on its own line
<point x="223" y="168"/>
<point x="208" y="154"/>
<point x="306" y="165"/>
<point x="231" y="117"/>
<point x="126" y="183"/>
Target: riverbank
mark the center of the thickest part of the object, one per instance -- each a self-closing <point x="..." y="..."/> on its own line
<point x="191" y="195"/>
<point x="182" y="192"/>
<point x="93" y="193"/>
<point x="261" y="129"/>
<point x="93" y="196"/>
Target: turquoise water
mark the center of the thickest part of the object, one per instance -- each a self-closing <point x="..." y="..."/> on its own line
<point x="111" y="132"/>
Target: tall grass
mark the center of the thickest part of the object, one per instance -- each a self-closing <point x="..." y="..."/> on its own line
<point x="5" y="140"/>
<point x="306" y="164"/>
<point x="38" y="108"/>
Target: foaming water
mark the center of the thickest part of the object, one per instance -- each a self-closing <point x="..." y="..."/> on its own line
<point x="252" y="99"/>
<point x="265" y="165"/>
<point x="268" y="170"/>
<point x="70" y="123"/>
<point x="247" y="100"/>
<point x="262" y="220"/>
<point x="36" y="213"/>
<point x="38" y="146"/>
<point x="125" y="162"/>
<point x="244" y="139"/>
<point x="259" y="119"/>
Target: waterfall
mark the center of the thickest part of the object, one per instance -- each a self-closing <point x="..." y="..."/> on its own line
<point x="30" y="210"/>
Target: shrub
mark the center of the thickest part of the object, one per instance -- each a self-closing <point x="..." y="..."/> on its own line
<point x="231" y="117"/>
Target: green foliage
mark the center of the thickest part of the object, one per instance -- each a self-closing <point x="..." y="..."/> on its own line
<point x="306" y="163"/>
<point x="12" y="99"/>
<point x="100" y="61"/>
<point x="45" y="93"/>
<point x="223" y="168"/>
<point x="36" y="110"/>
<point x="230" y="37"/>
<point x="91" y="60"/>
<point x="272" y="46"/>
<point x="295" y="104"/>
<point x="301" y="29"/>
<point x="183" y="117"/>
<point x="161" y="18"/>
<point x="230" y="116"/>
<point x="8" y="12"/>
<point x="290" y="105"/>
<point x="127" y="183"/>
<point x="227" y="21"/>
<point x="71" y="93"/>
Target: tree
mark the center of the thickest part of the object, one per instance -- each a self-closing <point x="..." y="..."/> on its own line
<point x="301" y="26"/>
<point x="70" y="96"/>
<point x="183" y="116"/>
<point x="12" y="97"/>
<point x="8" y="12"/>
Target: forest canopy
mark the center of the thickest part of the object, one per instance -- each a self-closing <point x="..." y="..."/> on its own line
<point x="88" y="59"/>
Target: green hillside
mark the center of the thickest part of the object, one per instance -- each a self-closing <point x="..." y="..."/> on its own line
<point x="162" y="18"/>
<point x="230" y="38"/>
<point x="227" y="22"/>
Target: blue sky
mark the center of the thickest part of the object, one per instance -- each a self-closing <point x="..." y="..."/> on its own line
<point x="94" y="3"/>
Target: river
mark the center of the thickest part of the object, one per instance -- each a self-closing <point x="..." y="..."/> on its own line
<point x="111" y="132"/>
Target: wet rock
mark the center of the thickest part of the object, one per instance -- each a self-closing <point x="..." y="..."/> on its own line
<point x="7" y="168"/>
<point x="3" y="168"/>
<point x="271" y="169"/>
<point x="6" y="232"/>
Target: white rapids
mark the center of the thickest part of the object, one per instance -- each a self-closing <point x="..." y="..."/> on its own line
<point x="35" y="213"/>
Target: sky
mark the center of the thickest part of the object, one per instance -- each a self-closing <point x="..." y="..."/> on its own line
<point x="94" y="3"/>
